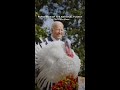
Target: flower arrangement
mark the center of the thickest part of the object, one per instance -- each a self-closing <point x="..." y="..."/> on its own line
<point x="69" y="83"/>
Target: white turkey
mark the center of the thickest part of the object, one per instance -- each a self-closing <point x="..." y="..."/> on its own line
<point x="55" y="61"/>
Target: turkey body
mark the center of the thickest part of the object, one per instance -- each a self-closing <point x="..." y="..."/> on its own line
<point x="54" y="64"/>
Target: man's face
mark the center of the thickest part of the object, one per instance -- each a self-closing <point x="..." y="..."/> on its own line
<point x="58" y="31"/>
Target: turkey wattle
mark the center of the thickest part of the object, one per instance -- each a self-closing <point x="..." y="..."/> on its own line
<point x="55" y="61"/>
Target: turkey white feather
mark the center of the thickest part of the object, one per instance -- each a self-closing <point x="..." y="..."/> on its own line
<point x="54" y="64"/>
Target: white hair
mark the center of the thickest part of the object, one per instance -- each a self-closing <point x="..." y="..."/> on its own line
<point x="56" y="23"/>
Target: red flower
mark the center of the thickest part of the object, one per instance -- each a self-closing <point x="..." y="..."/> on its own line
<point x="69" y="83"/>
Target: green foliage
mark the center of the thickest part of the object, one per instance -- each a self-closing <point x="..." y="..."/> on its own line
<point x="39" y="33"/>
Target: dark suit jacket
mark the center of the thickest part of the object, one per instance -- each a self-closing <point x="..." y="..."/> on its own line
<point x="49" y="38"/>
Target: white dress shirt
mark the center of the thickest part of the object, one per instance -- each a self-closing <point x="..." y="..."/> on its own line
<point x="54" y="38"/>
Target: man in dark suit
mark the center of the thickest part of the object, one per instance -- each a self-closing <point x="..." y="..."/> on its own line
<point x="57" y="34"/>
